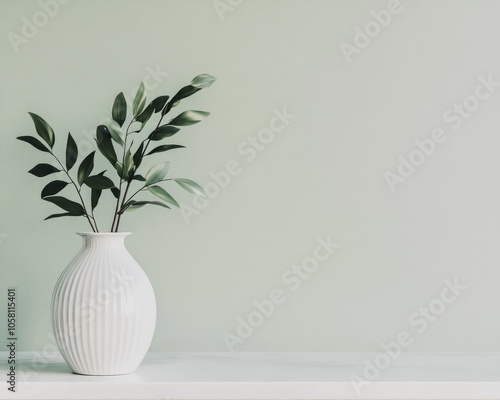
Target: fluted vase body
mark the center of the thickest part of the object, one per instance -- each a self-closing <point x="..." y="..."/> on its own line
<point x="103" y="308"/>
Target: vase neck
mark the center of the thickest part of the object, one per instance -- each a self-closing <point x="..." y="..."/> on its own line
<point x="105" y="239"/>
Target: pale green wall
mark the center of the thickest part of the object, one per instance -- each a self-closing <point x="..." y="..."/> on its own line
<point x="321" y="175"/>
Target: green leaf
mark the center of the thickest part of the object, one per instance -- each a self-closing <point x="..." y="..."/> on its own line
<point x="155" y="203"/>
<point x="190" y="117"/>
<point x="157" y="173"/>
<point x="42" y="169"/>
<point x="71" y="152"/>
<point x="167" y="108"/>
<point x="115" y="192"/>
<point x="104" y="144"/>
<point x="163" y="194"/>
<point x="43" y="129"/>
<point x="67" y="214"/>
<point x="119" y="112"/>
<point x="130" y="206"/>
<point x="139" y="178"/>
<point x="85" y="168"/>
<point x="191" y="186"/>
<point x="144" y="116"/>
<point x="138" y="156"/>
<point x="163" y="132"/>
<point x="119" y="169"/>
<point x="139" y="100"/>
<point x="159" y="103"/>
<point x="141" y="107"/>
<point x="165" y="147"/>
<point x="67" y="205"/>
<point x="53" y="188"/>
<point x="95" y="195"/>
<point x="128" y="168"/>
<point x="203" y="81"/>
<point x="99" y="182"/>
<point x="134" y="205"/>
<point x="186" y="91"/>
<point x="116" y="132"/>
<point x="34" y="142"/>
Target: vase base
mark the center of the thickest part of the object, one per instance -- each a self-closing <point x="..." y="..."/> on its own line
<point x="104" y="374"/>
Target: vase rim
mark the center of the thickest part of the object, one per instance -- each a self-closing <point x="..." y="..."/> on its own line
<point x="103" y="233"/>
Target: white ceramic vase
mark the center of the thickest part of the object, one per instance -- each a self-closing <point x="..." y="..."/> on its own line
<point x="103" y="308"/>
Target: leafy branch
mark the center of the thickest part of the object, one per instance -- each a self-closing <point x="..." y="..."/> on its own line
<point x="127" y="163"/>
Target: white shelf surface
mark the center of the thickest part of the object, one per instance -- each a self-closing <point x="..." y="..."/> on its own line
<point x="263" y="375"/>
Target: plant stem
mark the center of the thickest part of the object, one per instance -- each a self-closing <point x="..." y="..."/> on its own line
<point x="118" y="215"/>
<point x="114" y="224"/>
<point x="93" y="219"/>
<point x="117" y="206"/>
<point x="130" y="198"/>
<point x="92" y="225"/>
<point x="149" y="140"/>
<point x="123" y="202"/>
<point x="145" y="187"/>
